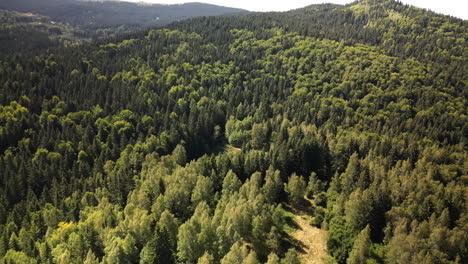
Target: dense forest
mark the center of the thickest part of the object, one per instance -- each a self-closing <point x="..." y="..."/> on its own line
<point x="27" y="25"/>
<point x="24" y="32"/>
<point x="102" y="15"/>
<point x="199" y="141"/>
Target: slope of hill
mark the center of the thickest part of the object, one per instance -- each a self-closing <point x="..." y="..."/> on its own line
<point x="113" y="14"/>
<point x="184" y="144"/>
<point x="25" y="32"/>
<point x="30" y="25"/>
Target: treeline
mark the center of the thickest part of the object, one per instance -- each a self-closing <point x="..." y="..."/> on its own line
<point x="27" y="25"/>
<point x="186" y="145"/>
<point x="101" y="15"/>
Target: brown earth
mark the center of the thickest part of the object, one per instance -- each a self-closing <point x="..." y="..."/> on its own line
<point x="313" y="240"/>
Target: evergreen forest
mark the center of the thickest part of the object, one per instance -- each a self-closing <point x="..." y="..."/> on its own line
<point x="27" y="25"/>
<point x="216" y="139"/>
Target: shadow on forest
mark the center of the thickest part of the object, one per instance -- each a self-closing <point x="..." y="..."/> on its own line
<point x="292" y="223"/>
<point x="306" y="207"/>
<point x="290" y="242"/>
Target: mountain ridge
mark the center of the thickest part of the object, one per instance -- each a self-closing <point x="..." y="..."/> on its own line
<point x="114" y="13"/>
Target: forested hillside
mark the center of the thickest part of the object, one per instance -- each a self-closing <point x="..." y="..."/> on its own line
<point x="25" y="32"/>
<point x="113" y="14"/>
<point x="27" y="25"/>
<point x="193" y="143"/>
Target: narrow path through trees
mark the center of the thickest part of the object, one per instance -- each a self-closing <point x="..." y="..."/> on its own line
<point x="311" y="241"/>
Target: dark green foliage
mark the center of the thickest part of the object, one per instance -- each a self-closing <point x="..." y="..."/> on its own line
<point x="291" y="257"/>
<point x="319" y="214"/>
<point x="321" y="199"/>
<point x="361" y="248"/>
<point x="27" y="25"/>
<point x="340" y="239"/>
<point x="158" y="250"/>
<point x="113" y="14"/>
<point x="176" y="144"/>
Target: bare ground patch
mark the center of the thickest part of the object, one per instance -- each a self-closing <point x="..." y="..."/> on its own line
<point x="311" y="241"/>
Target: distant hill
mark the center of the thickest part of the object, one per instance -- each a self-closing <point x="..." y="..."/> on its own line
<point x="27" y="31"/>
<point x="26" y="25"/>
<point x="399" y="29"/>
<point x="114" y="14"/>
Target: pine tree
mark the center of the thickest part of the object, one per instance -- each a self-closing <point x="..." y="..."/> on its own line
<point x="158" y="250"/>
<point x="180" y="155"/>
<point x="206" y="259"/>
<point x="361" y="248"/>
<point x="291" y="257"/>
<point x="296" y="188"/>
<point x="91" y="258"/>
<point x="273" y="259"/>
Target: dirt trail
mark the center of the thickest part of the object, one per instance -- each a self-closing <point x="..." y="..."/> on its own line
<point x="313" y="240"/>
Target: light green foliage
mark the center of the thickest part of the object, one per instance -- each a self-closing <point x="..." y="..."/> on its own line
<point x="91" y="258"/>
<point x="273" y="259"/>
<point x="259" y="136"/>
<point x="314" y="186"/>
<point x="273" y="185"/>
<point x="351" y="174"/>
<point x="203" y="191"/>
<point x="180" y="155"/>
<point x="291" y="257"/>
<point x="206" y="259"/>
<point x="361" y="248"/>
<point x="231" y="183"/>
<point x="169" y="224"/>
<point x="188" y="144"/>
<point x="340" y="240"/>
<point x="251" y="258"/>
<point x="238" y="132"/>
<point x="51" y="215"/>
<point x="15" y="257"/>
<point x="296" y="189"/>
<point x="358" y="209"/>
<point x="196" y="236"/>
<point x="237" y="254"/>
